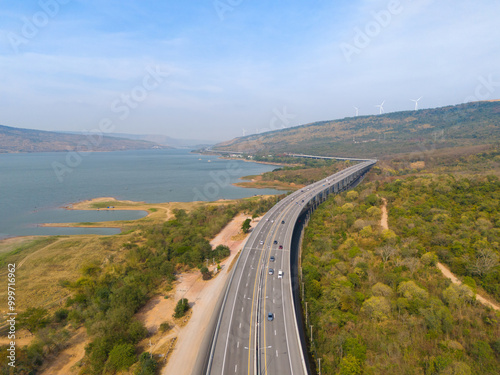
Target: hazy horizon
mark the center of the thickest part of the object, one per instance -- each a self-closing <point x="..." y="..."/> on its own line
<point x="220" y="69"/>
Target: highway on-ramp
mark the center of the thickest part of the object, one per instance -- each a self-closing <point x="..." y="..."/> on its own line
<point x="257" y="330"/>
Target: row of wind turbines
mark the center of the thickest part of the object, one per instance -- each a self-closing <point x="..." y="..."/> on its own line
<point x="381" y="106"/>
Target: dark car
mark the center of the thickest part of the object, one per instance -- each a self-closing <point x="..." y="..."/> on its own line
<point x="271" y="271"/>
<point x="270" y="317"/>
<point x="275" y="242"/>
<point x="272" y="259"/>
<point x="281" y="247"/>
<point x="282" y="221"/>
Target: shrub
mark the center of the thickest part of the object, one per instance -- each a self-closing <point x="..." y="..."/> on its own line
<point x="376" y="308"/>
<point x="382" y="290"/>
<point x="165" y="326"/>
<point x="121" y="357"/>
<point x="350" y="365"/>
<point x="61" y="315"/>
<point x="429" y="259"/>
<point x="181" y="308"/>
<point x="457" y="295"/>
<point x="410" y="290"/>
<point x="147" y="365"/>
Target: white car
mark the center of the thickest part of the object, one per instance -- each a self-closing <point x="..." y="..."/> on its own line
<point x="261" y="242"/>
<point x="280" y="274"/>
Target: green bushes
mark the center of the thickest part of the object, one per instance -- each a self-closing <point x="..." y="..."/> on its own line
<point x="382" y="291"/>
<point x="181" y="308"/>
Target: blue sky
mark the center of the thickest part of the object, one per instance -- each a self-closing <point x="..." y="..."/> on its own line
<point x="238" y="66"/>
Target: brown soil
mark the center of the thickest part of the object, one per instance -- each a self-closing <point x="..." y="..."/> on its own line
<point x="384" y="218"/>
<point x="64" y="363"/>
<point x="203" y="295"/>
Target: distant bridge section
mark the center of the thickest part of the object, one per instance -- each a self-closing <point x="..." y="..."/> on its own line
<point x="325" y="157"/>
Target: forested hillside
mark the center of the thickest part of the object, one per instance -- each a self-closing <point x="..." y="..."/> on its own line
<point x="376" y="300"/>
<point x="376" y="136"/>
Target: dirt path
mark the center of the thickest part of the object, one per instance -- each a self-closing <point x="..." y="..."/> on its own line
<point x="444" y="270"/>
<point x="204" y="294"/>
<point x="447" y="273"/>
<point x="384" y="218"/>
<point x="69" y="357"/>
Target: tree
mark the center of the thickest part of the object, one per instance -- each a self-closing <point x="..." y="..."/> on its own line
<point x="486" y="260"/>
<point x="121" y="357"/>
<point x="206" y="274"/>
<point x="387" y="252"/>
<point x="245" y="227"/>
<point x="377" y="308"/>
<point x="147" y="365"/>
<point x="382" y="290"/>
<point x="33" y="319"/>
<point x="181" y="308"/>
<point x="350" y="365"/>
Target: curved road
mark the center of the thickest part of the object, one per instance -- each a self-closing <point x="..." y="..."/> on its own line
<point x="246" y="340"/>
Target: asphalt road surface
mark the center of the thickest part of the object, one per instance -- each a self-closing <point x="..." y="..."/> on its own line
<point x="247" y="339"/>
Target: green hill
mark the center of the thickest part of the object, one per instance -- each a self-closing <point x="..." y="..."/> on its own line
<point x="374" y="136"/>
<point x="28" y="140"/>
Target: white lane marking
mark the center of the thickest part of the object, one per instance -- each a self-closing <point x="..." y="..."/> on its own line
<point x="240" y="324"/>
<point x="232" y="313"/>
<point x="242" y="309"/>
<point x="274" y="332"/>
<point x="236" y="368"/>
<point x="276" y="353"/>
<point x="238" y="344"/>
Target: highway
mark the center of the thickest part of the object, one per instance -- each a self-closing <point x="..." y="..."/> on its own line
<point x="245" y="339"/>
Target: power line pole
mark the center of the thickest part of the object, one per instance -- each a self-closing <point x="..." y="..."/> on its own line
<point x="319" y="359"/>
<point x="307" y="317"/>
<point x="311" y="334"/>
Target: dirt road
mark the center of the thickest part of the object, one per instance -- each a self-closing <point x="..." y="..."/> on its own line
<point x="204" y="294"/>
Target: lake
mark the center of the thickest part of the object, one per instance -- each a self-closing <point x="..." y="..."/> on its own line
<point x="35" y="186"/>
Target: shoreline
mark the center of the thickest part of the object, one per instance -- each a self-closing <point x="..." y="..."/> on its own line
<point x="154" y="211"/>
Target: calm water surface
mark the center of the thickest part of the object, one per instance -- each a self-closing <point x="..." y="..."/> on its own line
<point x="31" y="193"/>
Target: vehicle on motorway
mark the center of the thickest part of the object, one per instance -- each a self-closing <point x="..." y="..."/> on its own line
<point x="270" y="317"/>
<point x="261" y="242"/>
<point x="282" y="221"/>
<point x="275" y="242"/>
<point x="272" y="259"/>
<point x="280" y="274"/>
<point x="281" y="247"/>
<point x="271" y="271"/>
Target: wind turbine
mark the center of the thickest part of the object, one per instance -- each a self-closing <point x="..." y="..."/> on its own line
<point x="244" y="132"/>
<point x="381" y="106"/>
<point x="357" y="111"/>
<point x="416" y="102"/>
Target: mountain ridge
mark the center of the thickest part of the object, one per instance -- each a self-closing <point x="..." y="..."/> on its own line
<point x="20" y="140"/>
<point x="377" y="135"/>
